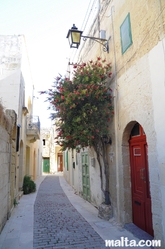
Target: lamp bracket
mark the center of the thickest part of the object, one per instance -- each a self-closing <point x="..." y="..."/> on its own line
<point x="107" y="139"/>
<point x="102" y="41"/>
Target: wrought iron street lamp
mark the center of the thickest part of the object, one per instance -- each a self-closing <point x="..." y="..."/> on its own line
<point x="74" y="36"/>
<point x="107" y="139"/>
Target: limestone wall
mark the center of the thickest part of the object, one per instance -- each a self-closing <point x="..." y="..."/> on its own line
<point x="7" y="164"/>
<point x="4" y="175"/>
<point x="139" y="101"/>
<point x="138" y="83"/>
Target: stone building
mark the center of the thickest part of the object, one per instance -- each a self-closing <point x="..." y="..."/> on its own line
<point x="20" y="147"/>
<point x="52" y="157"/>
<point x="7" y="166"/>
<point x="136" y="34"/>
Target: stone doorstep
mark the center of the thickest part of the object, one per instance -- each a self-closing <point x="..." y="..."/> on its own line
<point x="105" y="212"/>
<point x="20" y="194"/>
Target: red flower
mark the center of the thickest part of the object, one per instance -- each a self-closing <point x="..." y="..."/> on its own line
<point x="68" y="137"/>
<point x="99" y="58"/>
<point x="62" y="97"/>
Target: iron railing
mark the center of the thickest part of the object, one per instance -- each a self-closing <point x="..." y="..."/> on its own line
<point x="33" y="123"/>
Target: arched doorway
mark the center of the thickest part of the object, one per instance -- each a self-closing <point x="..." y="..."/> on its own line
<point x="141" y="199"/>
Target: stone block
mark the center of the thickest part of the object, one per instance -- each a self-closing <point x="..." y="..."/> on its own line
<point x="105" y="212"/>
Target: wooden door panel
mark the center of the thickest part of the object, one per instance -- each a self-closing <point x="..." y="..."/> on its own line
<point x="85" y="177"/>
<point x="141" y="200"/>
<point x="60" y="162"/>
<point x="137" y="170"/>
<point x="46" y="165"/>
<point x="138" y="212"/>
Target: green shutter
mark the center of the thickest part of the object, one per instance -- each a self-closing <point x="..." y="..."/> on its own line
<point x="85" y="176"/>
<point x="126" y="34"/>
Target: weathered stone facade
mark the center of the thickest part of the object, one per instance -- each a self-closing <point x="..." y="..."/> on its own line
<point x="19" y="140"/>
<point x="50" y="150"/>
<point x="138" y="86"/>
<point x="5" y="158"/>
<point x="7" y="165"/>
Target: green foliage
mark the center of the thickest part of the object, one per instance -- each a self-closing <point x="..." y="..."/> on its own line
<point x="82" y="105"/>
<point x="15" y="202"/>
<point x="28" y="185"/>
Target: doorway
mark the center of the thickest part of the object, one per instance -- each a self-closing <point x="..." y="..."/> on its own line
<point x="60" y="162"/>
<point x="85" y="176"/>
<point x="141" y="198"/>
<point x="46" y="165"/>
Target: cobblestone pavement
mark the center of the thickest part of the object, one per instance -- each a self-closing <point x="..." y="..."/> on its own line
<point x="57" y="224"/>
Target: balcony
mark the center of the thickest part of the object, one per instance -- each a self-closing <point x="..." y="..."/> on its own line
<point x="33" y="128"/>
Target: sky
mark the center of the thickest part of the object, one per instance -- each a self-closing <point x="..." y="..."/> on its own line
<point x="45" y="24"/>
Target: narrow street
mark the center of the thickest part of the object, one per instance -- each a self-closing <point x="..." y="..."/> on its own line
<point x="54" y="217"/>
<point x="57" y="224"/>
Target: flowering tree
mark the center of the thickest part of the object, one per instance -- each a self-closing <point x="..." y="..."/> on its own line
<point x="83" y="109"/>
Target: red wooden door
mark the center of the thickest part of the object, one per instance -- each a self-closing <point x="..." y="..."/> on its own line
<point x="60" y="162"/>
<point x="141" y="199"/>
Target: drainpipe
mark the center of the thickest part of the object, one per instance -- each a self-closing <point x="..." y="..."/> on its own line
<point x="116" y="120"/>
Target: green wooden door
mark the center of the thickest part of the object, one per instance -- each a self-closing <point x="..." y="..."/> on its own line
<point x="85" y="176"/>
<point x="46" y="165"/>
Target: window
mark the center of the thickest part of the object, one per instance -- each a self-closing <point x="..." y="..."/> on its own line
<point x="43" y="142"/>
<point x="18" y="136"/>
<point x="136" y="130"/>
<point x="126" y="34"/>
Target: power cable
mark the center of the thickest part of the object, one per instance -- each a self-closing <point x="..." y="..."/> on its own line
<point x="87" y="16"/>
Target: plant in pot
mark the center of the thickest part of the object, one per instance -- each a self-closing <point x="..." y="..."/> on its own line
<point x="29" y="185"/>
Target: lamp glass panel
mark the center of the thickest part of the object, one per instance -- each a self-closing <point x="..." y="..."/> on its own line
<point x="75" y="37"/>
<point x="70" y="39"/>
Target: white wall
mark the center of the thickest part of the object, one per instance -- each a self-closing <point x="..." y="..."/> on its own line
<point x="157" y="72"/>
<point x="9" y="90"/>
<point x="141" y="98"/>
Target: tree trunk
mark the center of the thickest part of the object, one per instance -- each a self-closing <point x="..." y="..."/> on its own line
<point x="101" y="152"/>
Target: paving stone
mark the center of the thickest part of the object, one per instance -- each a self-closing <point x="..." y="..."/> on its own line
<point x="57" y="224"/>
